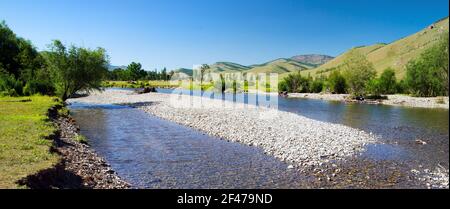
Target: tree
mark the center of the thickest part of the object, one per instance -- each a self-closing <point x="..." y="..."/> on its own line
<point x="203" y="70"/>
<point x="75" y="69"/>
<point x="220" y="84"/>
<point x="358" y="71"/>
<point x="388" y="82"/>
<point x="135" y="71"/>
<point x="337" y="82"/>
<point x="9" y="49"/>
<point x="164" y="75"/>
<point x="282" y="86"/>
<point x="17" y="55"/>
<point x="293" y="82"/>
<point x="374" y="87"/>
<point x="428" y="75"/>
<point x="22" y="66"/>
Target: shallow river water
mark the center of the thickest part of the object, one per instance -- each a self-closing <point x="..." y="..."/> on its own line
<point x="154" y="153"/>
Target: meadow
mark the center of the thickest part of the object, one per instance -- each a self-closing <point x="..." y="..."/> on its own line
<point x="25" y="137"/>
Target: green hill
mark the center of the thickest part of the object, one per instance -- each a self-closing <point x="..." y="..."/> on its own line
<point x="280" y="66"/>
<point x="228" y="67"/>
<point x="186" y="71"/>
<point x="395" y="55"/>
<point x="315" y="60"/>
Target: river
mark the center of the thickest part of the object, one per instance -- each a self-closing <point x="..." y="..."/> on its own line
<point x="153" y="153"/>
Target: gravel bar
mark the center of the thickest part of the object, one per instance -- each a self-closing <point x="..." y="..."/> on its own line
<point x="393" y="100"/>
<point x="289" y="137"/>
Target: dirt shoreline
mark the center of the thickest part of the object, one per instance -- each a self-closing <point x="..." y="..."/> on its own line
<point x="393" y="100"/>
<point x="79" y="168"/>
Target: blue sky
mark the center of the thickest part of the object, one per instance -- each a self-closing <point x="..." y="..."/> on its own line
<point x="183" y="33"/>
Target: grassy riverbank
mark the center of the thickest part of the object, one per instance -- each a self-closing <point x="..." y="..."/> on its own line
<point x="24" y="129"/>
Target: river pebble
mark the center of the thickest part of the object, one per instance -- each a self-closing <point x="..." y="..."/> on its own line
<point x="286" y="136"/>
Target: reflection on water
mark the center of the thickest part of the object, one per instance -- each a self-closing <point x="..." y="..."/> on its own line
<point x="153" y="153"/>
<point x="398" y="126"/>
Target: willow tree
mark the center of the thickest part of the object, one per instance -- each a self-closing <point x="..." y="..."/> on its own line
<point x="76" y="69"/>
<point x="358" y="71"/>
<point x="427" y="75"/>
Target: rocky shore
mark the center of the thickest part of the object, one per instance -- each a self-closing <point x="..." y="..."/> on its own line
<point x="292" y="138"/>
<point x="394" y="100"/>
<point x="314" y="148"/>
<point x="79" y="168"/>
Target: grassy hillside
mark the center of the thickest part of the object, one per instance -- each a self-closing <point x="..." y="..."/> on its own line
<point x="186" y="71"/>
<point x="395" y="55"/>
<point x="228" y="67"/>
<point x="314" y="60"/>
<point x="280" y="66"/>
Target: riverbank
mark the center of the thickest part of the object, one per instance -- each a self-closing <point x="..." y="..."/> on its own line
<point x="289" y="137"/>
<point x="327" y="155"/>
<point x="40" y="148"/>
<point x="80" y="167"/>
<point x="394" y="100"/>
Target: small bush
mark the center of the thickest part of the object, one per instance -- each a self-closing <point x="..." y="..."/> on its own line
<point x="317" y="86"/>
<point x="374" y="87"/>
<point x="38" y="87"/>
<point x="388" y="82"/>
<point x="337" y="83"/>
<point x="9" y="86"/>
<point x="282" y="86"/>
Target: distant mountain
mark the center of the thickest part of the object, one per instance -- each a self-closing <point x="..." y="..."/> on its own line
<point x="280" y="66"/>
<point x="395" y="55"/>
<point x="313" y="59"/>
<point x="228" y="67"/>
<point x="113" y="67"/>
<point x="186" y="71"/>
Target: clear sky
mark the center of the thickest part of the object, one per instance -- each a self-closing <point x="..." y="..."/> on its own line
<point x="183" y="33"/>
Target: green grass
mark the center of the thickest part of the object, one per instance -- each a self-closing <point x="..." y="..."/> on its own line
<point x="24" y="132"/>
<point x="81" y="139"/>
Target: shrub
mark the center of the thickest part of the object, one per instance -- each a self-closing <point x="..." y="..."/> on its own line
<point x="282" y="86"/>
<point x="297" y="84"/>
<point x="317" y="86"/>
<point x="428" y="75"/>
<point x="10" y="86"/>
<point x="387" y="82"/>
<point x="358" y="72"/>
<point x="38" y="87"/>
<point x="337" y="83"/>
<point x="401" y="87"/>
<point x="374" y="87"/>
